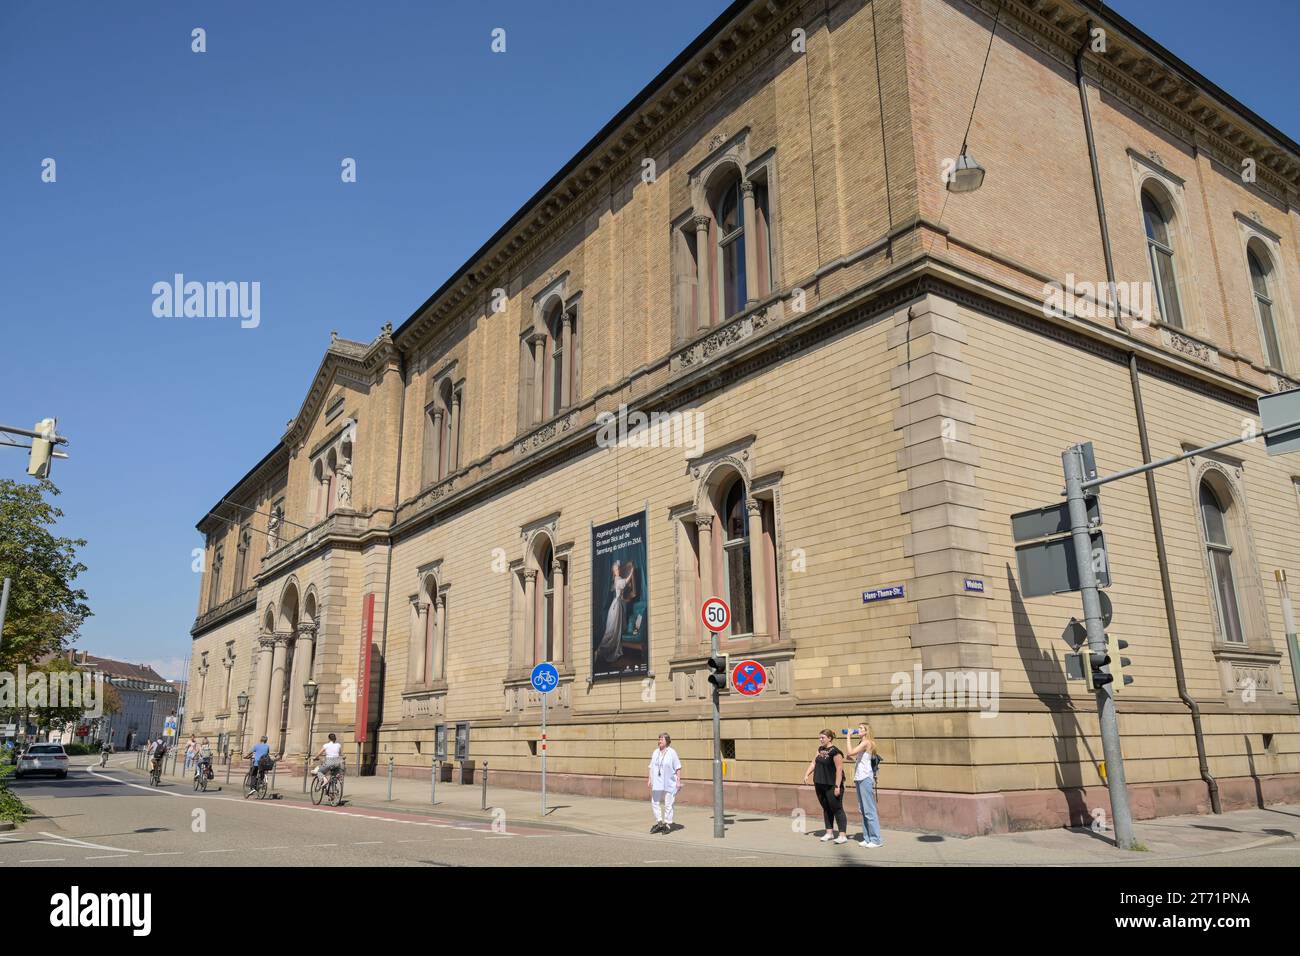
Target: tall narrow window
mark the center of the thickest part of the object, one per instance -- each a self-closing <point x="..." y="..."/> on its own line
<point x="1222" y="566"/>
<point x="729" y="214"/>
<point x="214" y="586"/>
<point x="1160" y="249"/>
<point x="555" y="374"/>
<point x="241" y="559"/>
<point x="1259" y="275"/>
<point x="546" y="626"/>
<point x="737" y="566"/>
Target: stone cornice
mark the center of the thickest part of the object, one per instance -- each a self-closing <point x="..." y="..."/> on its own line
<point x="238" y="605"/>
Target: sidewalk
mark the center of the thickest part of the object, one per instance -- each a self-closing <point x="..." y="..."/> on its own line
<point x="1166" y="839"/>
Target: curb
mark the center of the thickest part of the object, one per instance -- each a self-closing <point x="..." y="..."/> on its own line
<point x="5" y="826"/>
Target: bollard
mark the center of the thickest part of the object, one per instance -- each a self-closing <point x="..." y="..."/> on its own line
<point x="433" y="784"/>
<point x="485" y="784"/>
<point x="228" y="762"/>
<point x="390" y="779"/>
<point x="274" y="767"/>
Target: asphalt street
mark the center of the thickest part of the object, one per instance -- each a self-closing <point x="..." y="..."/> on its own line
<point x="114" y="818"/>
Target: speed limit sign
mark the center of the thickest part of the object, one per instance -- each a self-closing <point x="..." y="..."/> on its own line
<point x="716" y="614"/>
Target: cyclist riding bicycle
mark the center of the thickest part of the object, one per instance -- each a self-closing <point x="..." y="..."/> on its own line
<point x="331" y="758"/>
<point x="258" y="755"/>
<point x="203" y="760"/>
<point x="105" y="749"/>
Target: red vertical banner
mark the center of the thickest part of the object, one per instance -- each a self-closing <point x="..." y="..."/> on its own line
<point x="363" y="668"/>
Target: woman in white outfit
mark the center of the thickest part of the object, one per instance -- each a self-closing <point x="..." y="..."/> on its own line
<point x="665" y="781"/>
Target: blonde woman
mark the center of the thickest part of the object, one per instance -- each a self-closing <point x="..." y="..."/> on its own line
<point x="864" y="778"/>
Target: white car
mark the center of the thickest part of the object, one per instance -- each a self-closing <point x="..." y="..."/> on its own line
<point x="43" y="758"/>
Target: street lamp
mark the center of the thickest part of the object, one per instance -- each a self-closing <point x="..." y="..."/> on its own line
<point x="967" y="175"/>
<point x="309" y="692"/>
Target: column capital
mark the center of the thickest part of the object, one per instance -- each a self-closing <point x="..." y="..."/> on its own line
<point x="307" y="629"/>
<point x="281" y="638"/>
<point x="747" y="187"/>
<point x="704" y="522"/>
<point x="753" y="506"/>
<point x="530" y="576"/>
<point x="266" y="641"/>
<point x="702" y="223"/>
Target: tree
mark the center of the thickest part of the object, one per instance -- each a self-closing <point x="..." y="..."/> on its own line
<point x="46" y="609"/>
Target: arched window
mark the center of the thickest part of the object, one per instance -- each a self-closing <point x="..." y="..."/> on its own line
<point x="1214" y="517"/>
<point x="449" y="440"/>
<point x="1158" y="220"/>
<point x="546" y="625"/>
<point x="555" y="371"/>
<point x="729" y="219"/>
<point x="214" y="588"/>
<point x="1259" y="281"/>
<point x="737" y="567"/>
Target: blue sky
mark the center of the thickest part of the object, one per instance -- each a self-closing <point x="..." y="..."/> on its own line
<point x="225" y="166"/>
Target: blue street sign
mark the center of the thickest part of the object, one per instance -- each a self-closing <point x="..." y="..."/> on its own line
<point x="544" y="678"/>
<point x="882" y="594"/>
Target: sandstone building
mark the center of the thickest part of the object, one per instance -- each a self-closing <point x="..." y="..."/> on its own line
<point x="865" y="372"/>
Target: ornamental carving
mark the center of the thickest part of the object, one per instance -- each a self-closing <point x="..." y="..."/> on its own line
<point x="1190" y="347"/>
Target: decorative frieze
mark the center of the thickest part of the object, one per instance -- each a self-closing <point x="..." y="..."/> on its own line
<point x="1193" y="348"/>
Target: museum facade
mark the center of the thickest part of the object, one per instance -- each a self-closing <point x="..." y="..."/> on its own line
<point x="761" y="339"/>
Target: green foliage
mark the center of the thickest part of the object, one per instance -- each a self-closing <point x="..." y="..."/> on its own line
<point x="12" y="809"/>
<point x="45" y="607"/>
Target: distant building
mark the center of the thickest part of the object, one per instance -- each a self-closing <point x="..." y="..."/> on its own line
<point x="148" y="699"/>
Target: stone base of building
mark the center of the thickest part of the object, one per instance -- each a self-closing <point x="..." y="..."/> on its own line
<point x="951" y="814"/>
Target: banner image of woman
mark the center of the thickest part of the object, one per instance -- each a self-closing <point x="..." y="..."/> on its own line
<point x="620" y="619"/>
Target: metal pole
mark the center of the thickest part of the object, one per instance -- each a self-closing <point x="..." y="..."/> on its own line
<point x="433" y="783"/>
<point x="4" y="607"/>
<point x="1288" y="624"/>
<point x="543" y="755"/>
<point x="390" y="779"/>
<point x="484" y="785"/>
<point x="719" y="827"/>
<point x="1072" y="460"/>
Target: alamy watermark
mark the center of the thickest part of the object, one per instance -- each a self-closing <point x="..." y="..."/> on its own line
<point x="209" y="300"/>
<point x="1093" y="300"/>
<point x="626" y="429"/>
<point x="952" y="689"/>
<point x="38" y="690"/>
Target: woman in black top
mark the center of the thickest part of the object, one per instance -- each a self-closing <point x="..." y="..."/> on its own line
<point x="828" y="767"/>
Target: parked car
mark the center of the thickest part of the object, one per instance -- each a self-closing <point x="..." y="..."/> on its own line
<point x="43" y="758"/>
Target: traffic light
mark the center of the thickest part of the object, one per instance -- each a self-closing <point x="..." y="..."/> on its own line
<point x="38" y="463"/>
<point x="718" y="671"/>
<point x="1094" y="675"/>
<point x="1124" y="663"/>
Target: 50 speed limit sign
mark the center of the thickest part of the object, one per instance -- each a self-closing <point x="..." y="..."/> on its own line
<point x="716" y="614"/>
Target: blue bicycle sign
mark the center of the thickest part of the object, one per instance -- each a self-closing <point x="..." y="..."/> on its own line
<point x="544" y="678"/>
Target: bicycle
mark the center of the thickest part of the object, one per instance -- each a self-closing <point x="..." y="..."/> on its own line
<point x="255" y="783"/>
<point x="201" y="775"/>
<point x="155" y="773"/>
<point x="103" y="758"/>
<point x="327" y="785"/>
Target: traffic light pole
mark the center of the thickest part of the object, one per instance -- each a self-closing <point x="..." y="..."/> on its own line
<point x="719" y="826"/>
<point x="1072" y="460"/>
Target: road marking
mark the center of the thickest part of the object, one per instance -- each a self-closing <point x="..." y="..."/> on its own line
<point x="368" y="843"/>
<point x="166" y="853"/>
<point x="217" y="851"/>
<point x="658" y="861"/>
<point x="311" y="845"/>
<point x="48" y="859"/>
<point x="82" y="843"/>
<point x="107" y="856"/>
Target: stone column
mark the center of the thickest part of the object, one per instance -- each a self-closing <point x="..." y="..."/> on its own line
<point x="260" y="707"/>
<point x="438" y="652"/>
<point x="229" y="665"/>
<point x="530" y="616"/>
<point x="757" y="565"/>
<point x="302" y="668"/>
<point x="539" y="377"/>
<point x="751" y="244"/>
<point x="203" y="687"/>
<point x="704" y="524"/>
<point x="566" y="374"/>
<point x="703" y="257"/>
<point x="275" y="699"/>
<point x="557" y="608"/>
<point x="417" y="676"/>
<point x="453" y="430"/>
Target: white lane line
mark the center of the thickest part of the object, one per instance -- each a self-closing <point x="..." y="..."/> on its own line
<point x="107" y="856"/>
<point x="166" y="853"/>
<point x="270" y="848"/>
<point x="216" y="851"/>
<point x="82" y="843"/>
<point x="48" y="859"/>
<point x="657" y="861"/>
<point x="310" y="846"/>
<point x="457" y="839"/>
<point x="368" y="843"/>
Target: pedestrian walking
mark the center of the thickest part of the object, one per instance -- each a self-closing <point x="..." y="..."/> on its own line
<point x="665" y="780"/>
<point x="191" y="751"/>
<point x="864" y="780"/>
<point x="827" y="774"/>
